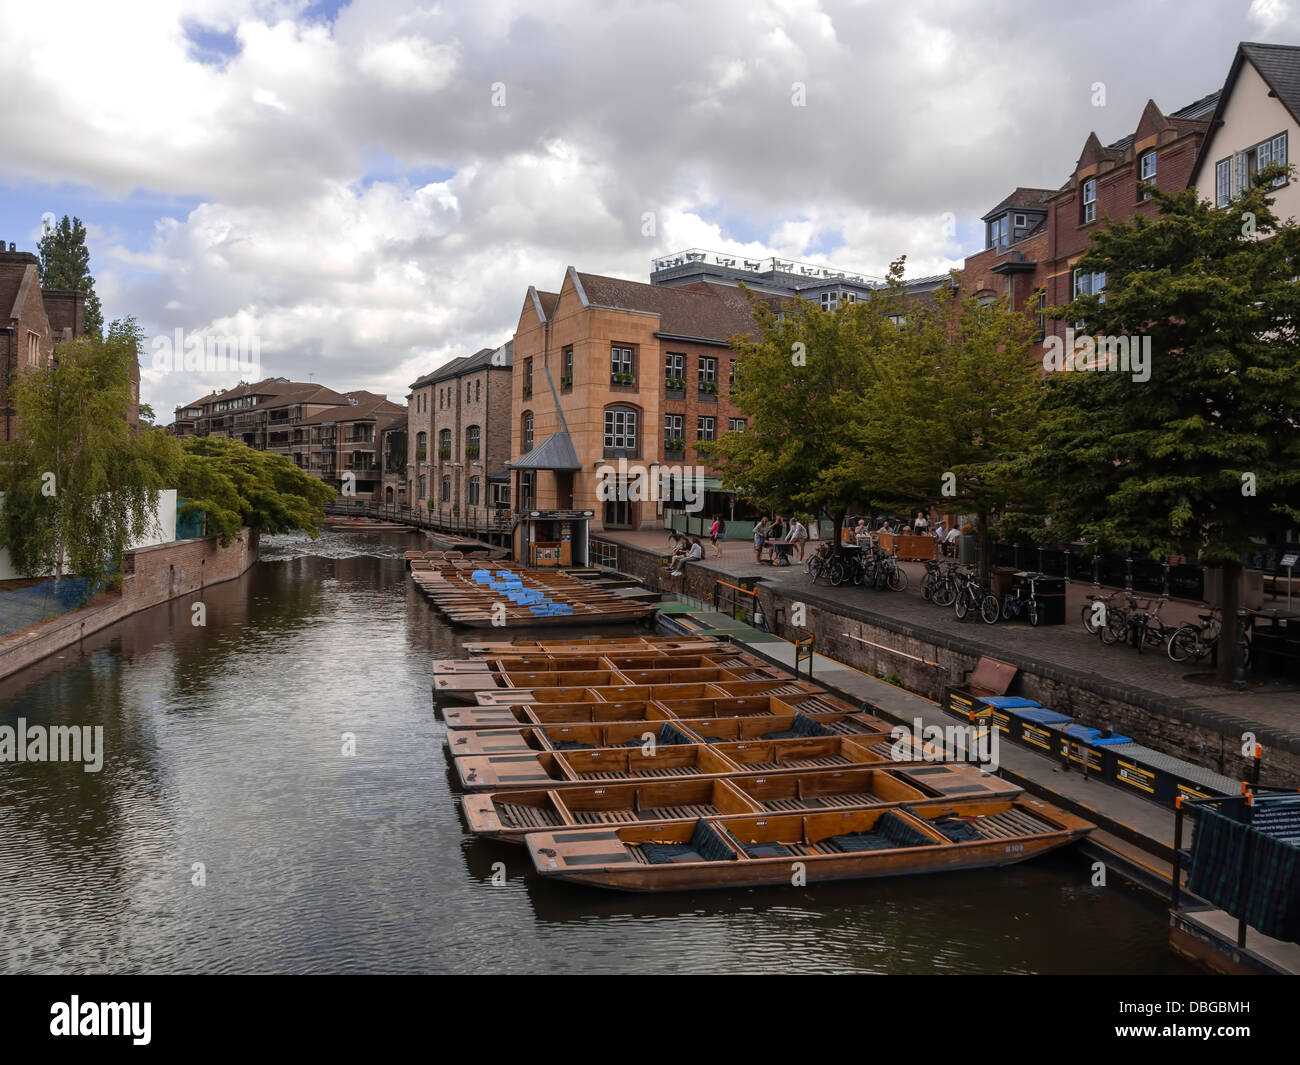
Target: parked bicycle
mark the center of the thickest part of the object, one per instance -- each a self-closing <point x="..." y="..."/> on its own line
<point x="1196" y="641"/>
<point x="1142" y="626"/>
<point x="1098" y="608"/>
<point x="1021" y="601"/>
<point x="816" y="566"/>
<point x="974" y="597"/>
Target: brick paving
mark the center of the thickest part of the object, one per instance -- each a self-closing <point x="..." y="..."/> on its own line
<point x="1275" y="705"/>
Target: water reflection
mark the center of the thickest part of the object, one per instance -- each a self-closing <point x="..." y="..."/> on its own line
<point x="224" y="756"/>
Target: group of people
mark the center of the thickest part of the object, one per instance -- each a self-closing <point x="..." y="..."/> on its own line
<point x="945" y="539"/>
<point x="778" y="532"/>
<point x="689" y="549"/>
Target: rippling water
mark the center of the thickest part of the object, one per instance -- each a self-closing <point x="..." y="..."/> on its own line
<point x="224" y="747"/>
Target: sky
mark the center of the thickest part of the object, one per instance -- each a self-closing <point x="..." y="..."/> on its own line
<point x="367" y="189"/>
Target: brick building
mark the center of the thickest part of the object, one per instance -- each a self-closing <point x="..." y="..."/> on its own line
<point x="32" y="321"/>
<point x="607" y="369"/>
<point x="392" y="457"/>
<point x="340" y="445"/>
<point x="458" y="440"/>
<point x="1034" y="237"/>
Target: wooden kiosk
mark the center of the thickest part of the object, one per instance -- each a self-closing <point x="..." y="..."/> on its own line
<point x="552" y="539"/>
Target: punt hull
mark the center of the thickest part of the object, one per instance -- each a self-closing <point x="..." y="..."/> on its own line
<point x="817" y="869"/>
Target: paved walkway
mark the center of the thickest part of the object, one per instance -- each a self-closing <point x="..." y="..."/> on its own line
<point x="1274" y="705"/>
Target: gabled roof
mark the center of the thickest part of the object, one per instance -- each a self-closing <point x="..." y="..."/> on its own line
<point x="556" y="452"/>
<point x="706" y="312"/>
<point x="1278" y="65"/>
<point x="1022" y="197"/>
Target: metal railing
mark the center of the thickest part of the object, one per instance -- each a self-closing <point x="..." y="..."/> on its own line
<point x="604" y="553"/>
<point x="446" y="519"/>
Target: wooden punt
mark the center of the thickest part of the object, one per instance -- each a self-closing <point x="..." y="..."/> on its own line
<point x="555" y="768"/>
<point x="510" y="815"/>
<point x="698" y="644"/>
<point x="571" y="735"/>
<point x="481" y="718"/>
<point x="808" y="848"/>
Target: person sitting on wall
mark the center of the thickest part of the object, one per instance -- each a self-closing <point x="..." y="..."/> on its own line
<point x="695" y="553"/>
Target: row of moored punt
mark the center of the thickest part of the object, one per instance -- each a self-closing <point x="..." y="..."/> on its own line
<point x="651" y="764"/>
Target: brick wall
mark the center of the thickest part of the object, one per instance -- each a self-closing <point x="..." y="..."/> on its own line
<point x="153" y="575"/>
<point x="1204" y="737"/>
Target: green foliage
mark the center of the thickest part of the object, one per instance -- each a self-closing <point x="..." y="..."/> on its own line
<point x="65" y="263"/>
<point x="233" y="485"/>
<point x="79" y="482"/>
<point x="1161" y="465"/>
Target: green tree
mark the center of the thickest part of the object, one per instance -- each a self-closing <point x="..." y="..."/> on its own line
<point x="79" y="483"/>
<point x="1203" y="453"/>
<point x="65" y="263"/>
<point x="232" y="485"/>
<point x="797" y="383"/>
<point x="950" y="412"/>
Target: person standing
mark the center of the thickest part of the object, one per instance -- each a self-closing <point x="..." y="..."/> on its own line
<point x="715" y="530"/>
<point x="760" y="534"/>
<point x="921" y="524"/>
<point x="798" y="535"/>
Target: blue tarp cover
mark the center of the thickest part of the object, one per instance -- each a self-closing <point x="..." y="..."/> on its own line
<point x="1042" y="716"/>
<point x="1010" y="702"/>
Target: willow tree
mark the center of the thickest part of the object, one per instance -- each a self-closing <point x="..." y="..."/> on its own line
<point x="1191" y="446"/>
<point x="233" y="486"/>
<point x="79" y="482"/>
<point x="798" y="381"/>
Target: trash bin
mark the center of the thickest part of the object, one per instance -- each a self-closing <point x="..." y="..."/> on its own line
<point x="1004" y="580"/>
<point x="1049" y="593"/>
<point x="966" y="550"/>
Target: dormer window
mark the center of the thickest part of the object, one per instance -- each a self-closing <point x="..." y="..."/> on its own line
<point x="1021" y="221"/>
<point x="1089" y="196"/>
<point x="999" y="232"/>
<point x="1147" y="174"/>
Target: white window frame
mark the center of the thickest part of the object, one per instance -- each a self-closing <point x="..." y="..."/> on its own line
<point x="706" y="429"/>
<point x="1088" y="191"/>
<point x="1148" y="175"/>
<point x="621" y="429"/>
<point x="1223" y="182"/>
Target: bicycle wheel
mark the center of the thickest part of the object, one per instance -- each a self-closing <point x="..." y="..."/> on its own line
<point x="859" y="574"/>
<point x="812" y="566"/>
<point x="927" y="587"/>
<point x="835" y="571"/>
<point x="1090" y="622"/>
<point x="1032" y="608"/>
<point x="1008" y="609"/>
<point x="962" y="605"/>
<point x="1185" y="644"/>
<point x="989" y="609"/>
<point x="897" y="579"/>
<point x="945" y="593"/>
<point x="1115" y="630"/>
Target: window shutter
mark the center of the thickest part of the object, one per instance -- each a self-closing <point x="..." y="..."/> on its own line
<point x="1241" y="183"/>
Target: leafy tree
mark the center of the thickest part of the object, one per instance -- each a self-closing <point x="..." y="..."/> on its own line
<point x="950" y="412"/>
<point x="65" y="263"/>
<point x="797" y="384"/>
<point x="79" y="483"/>
<point x="1203" y="454"/>
<point x="233" y="485"/>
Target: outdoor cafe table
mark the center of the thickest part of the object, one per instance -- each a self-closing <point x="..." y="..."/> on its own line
<point x="777" y="548"/>
<point x="1275" y="649"/>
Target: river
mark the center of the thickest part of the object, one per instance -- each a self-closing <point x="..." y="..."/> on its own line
<point x="227" y="830"/>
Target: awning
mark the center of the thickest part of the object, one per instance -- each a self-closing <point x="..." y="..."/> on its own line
<point x="554" y="453"/>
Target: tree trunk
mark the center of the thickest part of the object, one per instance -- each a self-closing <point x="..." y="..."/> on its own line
<point x="982" y="559"/>
<point x="1230" y="577"/>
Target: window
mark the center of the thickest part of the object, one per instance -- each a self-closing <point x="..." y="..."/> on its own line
<point x="1223" y="182"/>
<point x="674" y="432"/>
<point x="498" y="494"/>
<point x="675" y="370"/>
<point x="1148" y="166"/>
<point x="622" y="365"/>
<point x="620" y="432"/>
<point x="1089" y="201"/>
<point x="1042" y="315"/>
<point x="731" y="375"/>
<point x="422" y="479"/>
<point x="526" y="490"/>
<point x="473" y="435"/>
<point x="528" y="377"/>
<point x="706" y="429"/>
<point x="446" y="490"/>
<point x="33" y="349"/>
<point x="1021" y="221"/>
<point x="478" y="390"/>
<point x="469" y="389"/>
<point x="566" y="378"/>
<point x="1090" y="284"/>
<point x="735" y="425"/>
<point x="528" y="431"/>
<point x="897" y="319"/>
<point x="1258" y="157"/>
<point x="708" y="371"/>
<point x="444" y="440"/>
<point x="421" y="446"/>
<point x="999" y="236"/>
<point x="440" y="399"/>
<point x="473" y="491"/>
